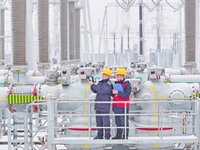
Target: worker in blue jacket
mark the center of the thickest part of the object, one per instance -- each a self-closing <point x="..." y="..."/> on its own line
<point x="103" y="92"/>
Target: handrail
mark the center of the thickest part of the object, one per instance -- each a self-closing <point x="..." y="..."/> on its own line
<point x="161" y="126"/>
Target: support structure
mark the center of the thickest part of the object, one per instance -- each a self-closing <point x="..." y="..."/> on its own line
<point x="75" y="138"/>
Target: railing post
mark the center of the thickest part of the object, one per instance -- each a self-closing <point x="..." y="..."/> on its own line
<point x="198" y="120"/>
<point x="158" y="118"/>
<point x="125" y="121"/>
<point x="51" y="127"/>
<point x="161" y="119"/>
<point x="89" y="120"/>
<point x="1" y="122"/>
<point x="26" y="142"/>
<point x="9" y="131"/>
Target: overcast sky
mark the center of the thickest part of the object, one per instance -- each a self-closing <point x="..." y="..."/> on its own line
<point x="97" y="8"/>
<point x="117" y="20"/>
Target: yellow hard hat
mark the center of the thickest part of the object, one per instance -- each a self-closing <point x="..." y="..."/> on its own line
<point x="121" y="71"/>
<point x="107" y="72"/>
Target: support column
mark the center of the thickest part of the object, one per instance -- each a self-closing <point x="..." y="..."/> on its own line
<point x="64" y="32"/>
<point x="43" y="24"/>
<point x="190" y="35"/>
<point x="72" y="32"/>
<point x="190" y="29"/>
<point x="78" y="31"/>
<point x="2" y="33"/>
<point x="43" y="35"/>
<point x="30" y="50"/>
<point x="141" y="28"/>
<point x="198" y="32"/>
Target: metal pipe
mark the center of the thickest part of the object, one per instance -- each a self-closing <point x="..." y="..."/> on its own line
<point x="185" y="78"/>
<point x="128" y="32"/>
<point x="86" y="38"/>
<point x="43" y="24"/>
<point x="122" y="47"/>
<point x="114" y="43"/>
<point x="102" y="28"/>
<point x="64" y="32"/>
<point x="90" y="28"/>
<point x="114" y="47"/>
<point x="106" y="38"/>
<point x="54" y="44"/>
<point x="181" y="41"/>
<point x="158" y="19"/>
<point x="19" y="32"/>
<point x="30" y="53"/>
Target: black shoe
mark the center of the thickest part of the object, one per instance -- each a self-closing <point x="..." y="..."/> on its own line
<point x="98" y="137"/>
<point x="107" y="138"/>
<point x="124" y="138"/>
<point x="116" y="138"/>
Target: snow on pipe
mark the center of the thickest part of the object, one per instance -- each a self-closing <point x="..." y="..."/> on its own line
<point x="64" y="29"/>
<point x="72" y="32"/>
<point x="19" y="31"/>
<point x="185" y="78"/>
<point x="190" y="25"/>
<point x="77" y="24"/>
<point x="43" y="25"/>
<point x="2" y="45"/>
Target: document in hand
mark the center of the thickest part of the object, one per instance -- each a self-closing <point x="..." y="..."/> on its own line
<point x="118" y="87"/>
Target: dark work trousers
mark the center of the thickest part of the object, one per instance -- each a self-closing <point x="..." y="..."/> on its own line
<point x="120" y="122"/>
<point x="103" y="121"/>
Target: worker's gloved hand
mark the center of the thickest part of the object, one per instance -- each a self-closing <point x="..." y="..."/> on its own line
<point x="90" y="82"/>
<point x="90" y="78"/>
<point x="114" y="92"/>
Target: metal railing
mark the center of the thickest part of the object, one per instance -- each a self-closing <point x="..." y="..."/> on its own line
<point x="162" y="128"/>
<point x="3" y="125"/>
